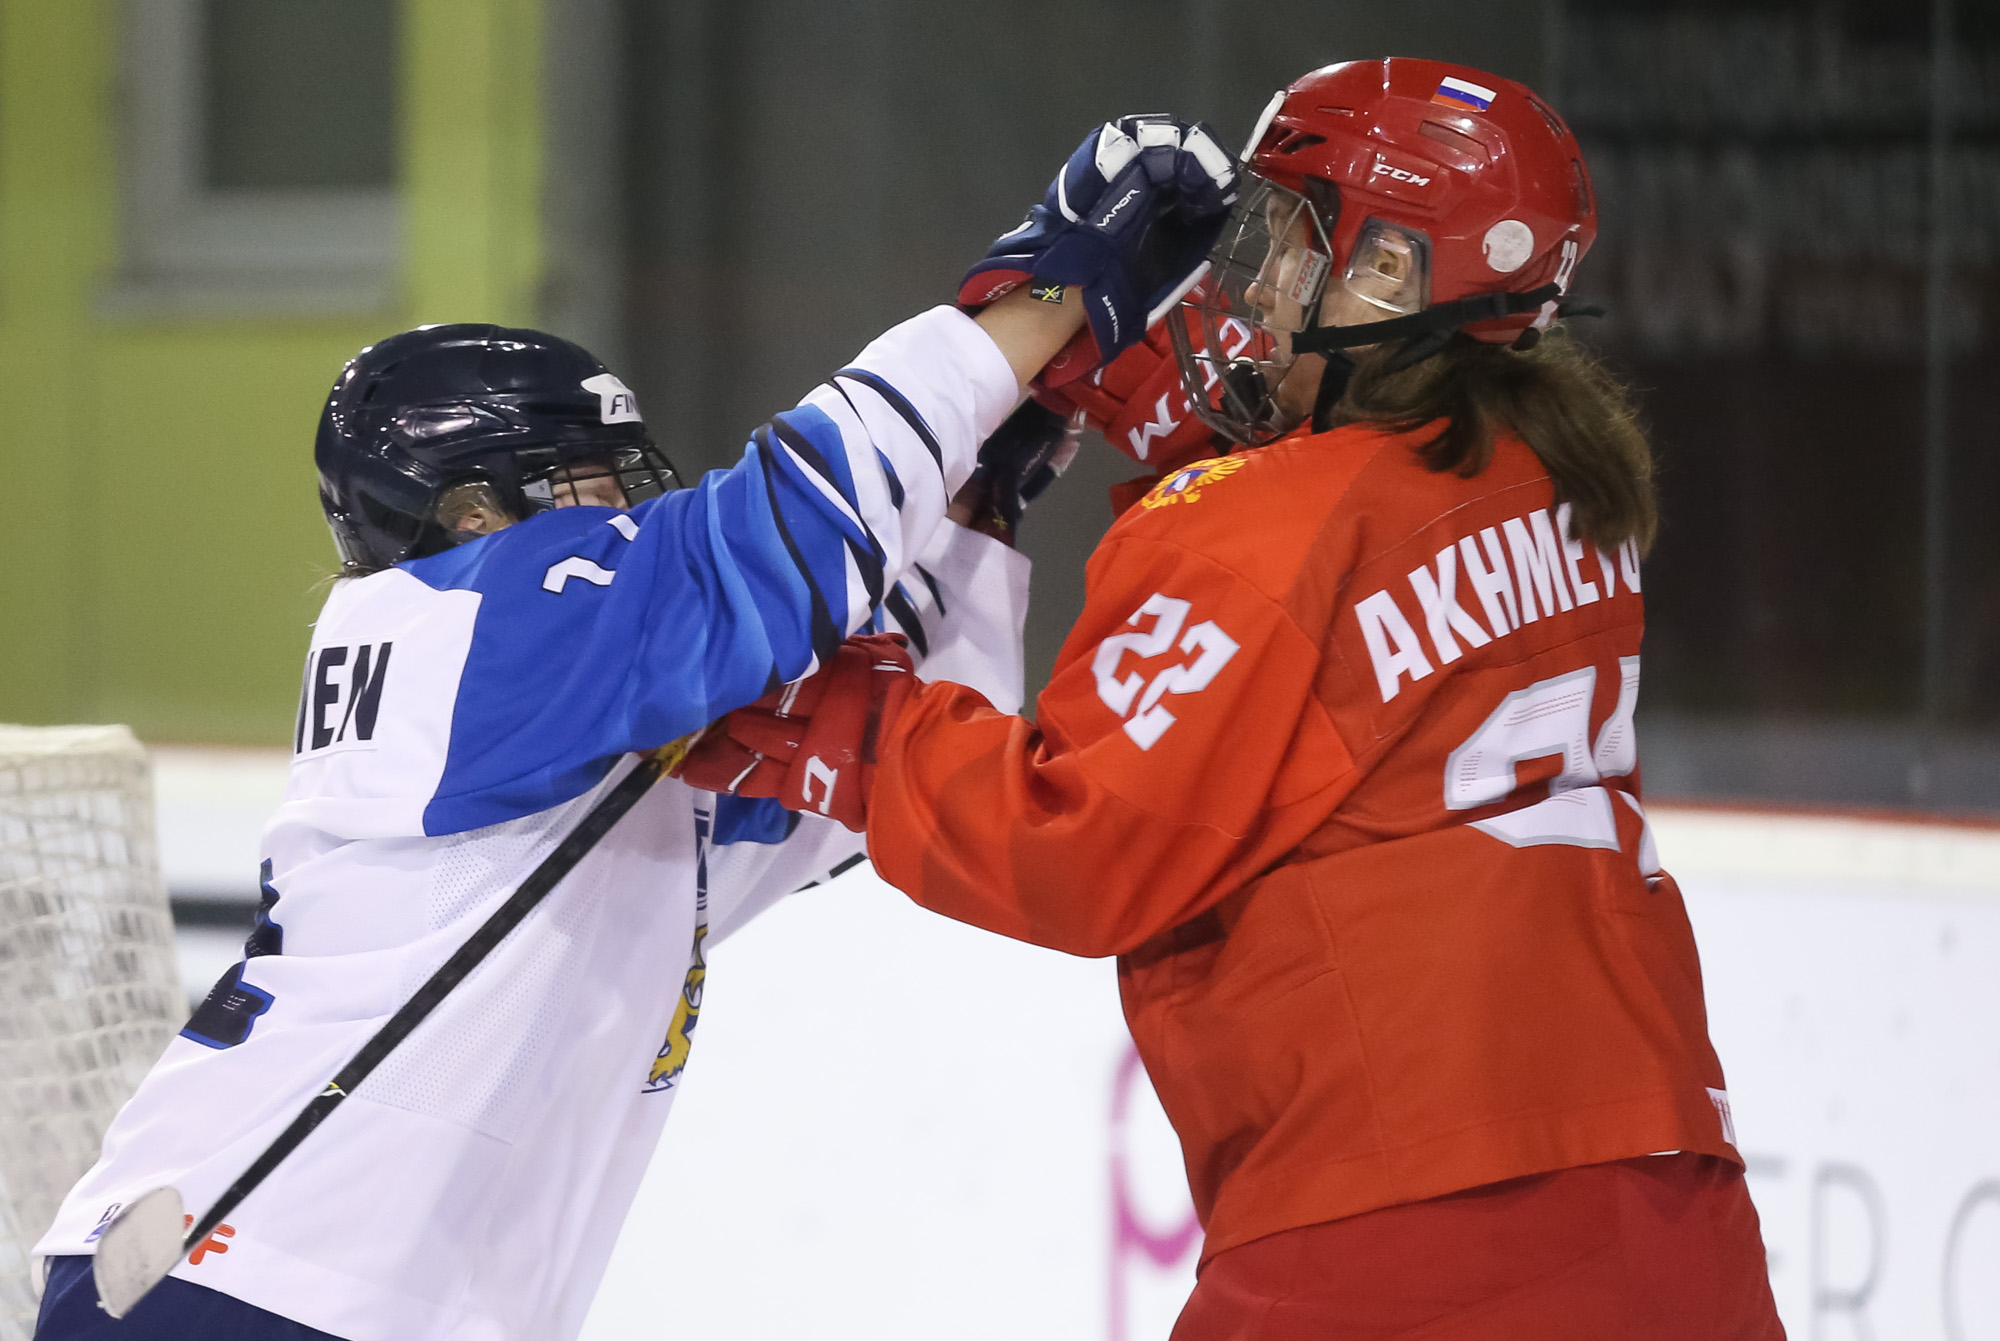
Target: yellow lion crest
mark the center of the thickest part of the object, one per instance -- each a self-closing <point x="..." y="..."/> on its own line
<point x="673" y="1056"/>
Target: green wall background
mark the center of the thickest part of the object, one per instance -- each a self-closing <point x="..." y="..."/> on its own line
<point x="161" y="549"/>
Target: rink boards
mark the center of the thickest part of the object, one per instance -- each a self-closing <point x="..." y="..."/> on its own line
<point x="898" y="1127"/>
<point x="894" y="1126"/>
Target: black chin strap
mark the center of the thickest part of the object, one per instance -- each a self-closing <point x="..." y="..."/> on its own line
<point x="1442" y="319"/>
<point x="1332" y="386"/>
<point x="1422" y="333"/>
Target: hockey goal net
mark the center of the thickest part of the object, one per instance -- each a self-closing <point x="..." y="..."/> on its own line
<point x="88" y="990"/>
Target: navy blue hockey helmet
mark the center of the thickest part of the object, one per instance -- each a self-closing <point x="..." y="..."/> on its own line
<point x="437" y="435"/>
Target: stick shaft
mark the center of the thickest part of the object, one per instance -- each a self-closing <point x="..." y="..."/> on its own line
<point x="607" y="812"/>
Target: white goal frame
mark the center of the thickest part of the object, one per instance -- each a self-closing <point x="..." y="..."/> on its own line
<point x="89" y="994"/>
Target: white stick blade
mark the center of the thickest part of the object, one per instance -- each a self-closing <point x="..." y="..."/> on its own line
<point x="138" y="1249"/>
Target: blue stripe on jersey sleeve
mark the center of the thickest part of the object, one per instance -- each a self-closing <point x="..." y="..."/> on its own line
<point x="823" y="446"/>
<point x="901" y="405"/>
<point x="894" y="480"/>
<point x="810" y="447"/>
<point x="725" y="590"/>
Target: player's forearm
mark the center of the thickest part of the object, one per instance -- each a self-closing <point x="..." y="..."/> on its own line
<point x="803" y="539"/>
<point x="944" y="369"/>
<point x="1029" y="330"/>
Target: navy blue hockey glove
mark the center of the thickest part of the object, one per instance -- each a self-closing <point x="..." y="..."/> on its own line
<point x="1130" y="220"/>
<point x="1023" y="457"/>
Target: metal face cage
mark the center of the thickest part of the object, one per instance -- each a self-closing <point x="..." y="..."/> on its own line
<point x="638" y="473"/>
<point x="551" y="477"/>
<point x="1267" y="274"/>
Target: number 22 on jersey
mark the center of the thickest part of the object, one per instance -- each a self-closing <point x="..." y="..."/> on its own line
<point x="1136" y="698"/>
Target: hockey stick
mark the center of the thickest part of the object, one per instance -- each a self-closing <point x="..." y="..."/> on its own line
<point x="139" y="1247"/>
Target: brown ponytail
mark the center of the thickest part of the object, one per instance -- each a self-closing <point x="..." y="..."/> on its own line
<point x="1557" y="397"/>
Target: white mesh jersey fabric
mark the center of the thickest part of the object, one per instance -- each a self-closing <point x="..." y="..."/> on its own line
<point x="451" y="1068"/>
<point x="526" y="1089"/>
<point x="88" y="990"/>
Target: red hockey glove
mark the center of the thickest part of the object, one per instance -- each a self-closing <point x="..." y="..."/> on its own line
<point x="1138" y="401"/>
<point x="1140" y="404"/>
<point x="811" y="745"/>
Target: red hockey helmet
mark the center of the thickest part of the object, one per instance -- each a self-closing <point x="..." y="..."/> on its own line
<point x="1390" y="200"/>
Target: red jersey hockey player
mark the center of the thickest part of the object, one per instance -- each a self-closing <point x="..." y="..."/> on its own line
<point x="1339" y="761"/>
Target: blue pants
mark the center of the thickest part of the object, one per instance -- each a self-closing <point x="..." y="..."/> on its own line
<point x="176" y="1310"/>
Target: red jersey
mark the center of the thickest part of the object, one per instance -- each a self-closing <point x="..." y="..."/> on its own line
<point x="1339" y="761"/>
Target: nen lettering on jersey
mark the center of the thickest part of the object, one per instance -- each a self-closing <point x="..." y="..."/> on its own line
<point x="341" y="699"/>
<point x="1525" y="569"/>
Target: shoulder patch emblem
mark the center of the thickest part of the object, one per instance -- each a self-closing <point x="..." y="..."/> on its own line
<point x="1186" y="485"/>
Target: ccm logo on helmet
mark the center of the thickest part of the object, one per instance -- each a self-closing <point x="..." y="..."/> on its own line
<point x="1400" y="174"/>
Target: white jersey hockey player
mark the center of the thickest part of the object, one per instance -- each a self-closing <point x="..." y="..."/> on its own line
<point x="460" y="712"/>
<point x="527" y="603"/>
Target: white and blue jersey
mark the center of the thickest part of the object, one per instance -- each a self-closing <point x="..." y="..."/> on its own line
<point x="459" y="715"/>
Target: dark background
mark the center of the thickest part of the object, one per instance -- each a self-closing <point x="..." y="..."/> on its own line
<point x="1798" y="252"/>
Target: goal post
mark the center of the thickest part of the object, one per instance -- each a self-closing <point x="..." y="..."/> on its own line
<point x="89" y="994"/>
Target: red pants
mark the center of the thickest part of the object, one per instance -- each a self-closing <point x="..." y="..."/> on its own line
<point x="1664" y="1248"/>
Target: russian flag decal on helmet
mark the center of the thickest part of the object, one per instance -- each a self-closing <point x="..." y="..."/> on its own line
<point x="1463" y="94"/>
